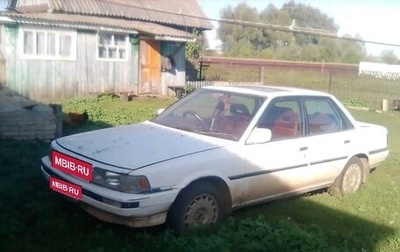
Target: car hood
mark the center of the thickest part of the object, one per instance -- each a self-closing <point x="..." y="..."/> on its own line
<point x="138" y="145"/>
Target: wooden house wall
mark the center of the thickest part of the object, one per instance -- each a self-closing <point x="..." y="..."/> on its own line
<point x="49" y="80"/>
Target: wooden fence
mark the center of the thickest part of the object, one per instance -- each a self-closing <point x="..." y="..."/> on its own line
<point x="192" y="85"/>
<point x="199" y="84"/>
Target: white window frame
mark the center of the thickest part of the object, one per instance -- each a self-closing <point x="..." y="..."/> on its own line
<point x="112" y="46"/>
<point x="43" y="52"/>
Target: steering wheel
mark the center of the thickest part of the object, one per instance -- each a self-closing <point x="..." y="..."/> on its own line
<point x="195" y="115"/>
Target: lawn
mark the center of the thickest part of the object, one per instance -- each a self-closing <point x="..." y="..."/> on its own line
<point x="34" y="218"/>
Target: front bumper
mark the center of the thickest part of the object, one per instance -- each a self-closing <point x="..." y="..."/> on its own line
<point x="135" y="210"/>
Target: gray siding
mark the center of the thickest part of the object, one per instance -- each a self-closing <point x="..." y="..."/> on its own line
<point x="57" y="79"/>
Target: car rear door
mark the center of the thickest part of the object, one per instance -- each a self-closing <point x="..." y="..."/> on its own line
<point x="329" y="138"/>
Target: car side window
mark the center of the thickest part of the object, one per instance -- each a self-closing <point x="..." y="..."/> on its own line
<point x="322" y="116"/>
<point x="283" y="119"/>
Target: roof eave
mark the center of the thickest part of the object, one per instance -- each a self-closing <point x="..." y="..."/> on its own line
<point x="175" y="39"/>
<point x="143" y="33"/>
<point x="89" y="27"/>
<point x="4" y="19"/>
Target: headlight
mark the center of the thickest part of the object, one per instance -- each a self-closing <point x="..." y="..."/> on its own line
<point x="121" y="182"/>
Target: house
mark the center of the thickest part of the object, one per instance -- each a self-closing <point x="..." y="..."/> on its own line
<point x="54" y="49"/>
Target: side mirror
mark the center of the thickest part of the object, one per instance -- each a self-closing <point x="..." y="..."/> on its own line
<point x="259" y="136"/>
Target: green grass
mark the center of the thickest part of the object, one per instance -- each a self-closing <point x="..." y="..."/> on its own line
<point x="108" y="110"/>
<point x="33" y="218"/>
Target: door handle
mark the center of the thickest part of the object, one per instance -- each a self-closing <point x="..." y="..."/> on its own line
<point x="303" y="148"/>
<point x="347" y="141"/>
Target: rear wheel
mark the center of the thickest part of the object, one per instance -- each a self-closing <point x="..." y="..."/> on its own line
<point x="199" y="204"/>
<point x="351" y="178"/>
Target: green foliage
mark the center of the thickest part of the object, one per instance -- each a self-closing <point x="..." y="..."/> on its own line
<point x="242" y="40"/>
<point x="108" y="110"/>
<point x="355" y="103"/>
<point x="253" y="39"/>
<point x="250" y="234"/>
<point x="190" y="88"/>
<point x="389" y="57"/>
<point x="194" y="50"/>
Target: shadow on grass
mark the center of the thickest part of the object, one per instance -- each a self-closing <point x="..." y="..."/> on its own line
<point x="88" y="125"/>
<point x="341" y="230"/>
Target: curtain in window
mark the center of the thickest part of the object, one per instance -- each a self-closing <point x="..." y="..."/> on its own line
<point x="65" y="45"/>
<point x="28" y="42"/>
<point x="51" y="44"/>
<point x="40" y="43"/>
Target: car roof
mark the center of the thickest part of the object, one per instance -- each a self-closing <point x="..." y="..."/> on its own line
<point x="269" y="90"/>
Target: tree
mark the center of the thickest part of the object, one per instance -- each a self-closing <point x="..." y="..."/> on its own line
<point x="194" y="50"/>
<point x="389" y="57"/>
<point x="276" y="41"/>
<point x="350" y="51"/>
<point x="309" y="17"/>
<point x="241" y="40"/>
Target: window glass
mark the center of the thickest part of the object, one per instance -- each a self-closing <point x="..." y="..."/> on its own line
<point x="51" y="44"/>
<point x="40" y="43"/>
<point x="44" y="44"/>
<point x="28" y="42"/>
<point x="119" y="40"/>
<point x="283" y="119"/>
<point x="112" y="53"/>
<point x="212" y="112"/>
<point x="65" y="45"/>
<point x="122" y="54"/>
<point x="105" y="39"/>
<point x="102" y="52"/>
<point x="112" y="46"/>
<point x="324" y="117"/>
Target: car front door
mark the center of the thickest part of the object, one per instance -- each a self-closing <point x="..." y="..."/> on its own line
<point x="278" y="167"/>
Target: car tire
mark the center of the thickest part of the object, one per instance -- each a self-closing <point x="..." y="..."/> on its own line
<point x="199" y="204"/>
<point x="351" y="178"/>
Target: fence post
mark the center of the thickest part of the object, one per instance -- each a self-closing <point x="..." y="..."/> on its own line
<point x="385" y="105"/>
<point x="262" y="75"/>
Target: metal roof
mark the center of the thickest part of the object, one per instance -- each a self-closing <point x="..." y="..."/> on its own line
<point x="160" y="32"/>
<point x="171" y="20"/>
<point x="183" y="13"/>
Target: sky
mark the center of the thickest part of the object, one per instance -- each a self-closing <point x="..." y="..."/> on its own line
<point x="373" y="20"/>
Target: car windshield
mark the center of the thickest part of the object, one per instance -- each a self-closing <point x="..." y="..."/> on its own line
<point x="212" y="112"/>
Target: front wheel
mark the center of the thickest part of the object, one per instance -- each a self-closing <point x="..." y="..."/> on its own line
<point x="199" y="204"/>
<point x="351" y="178"/>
